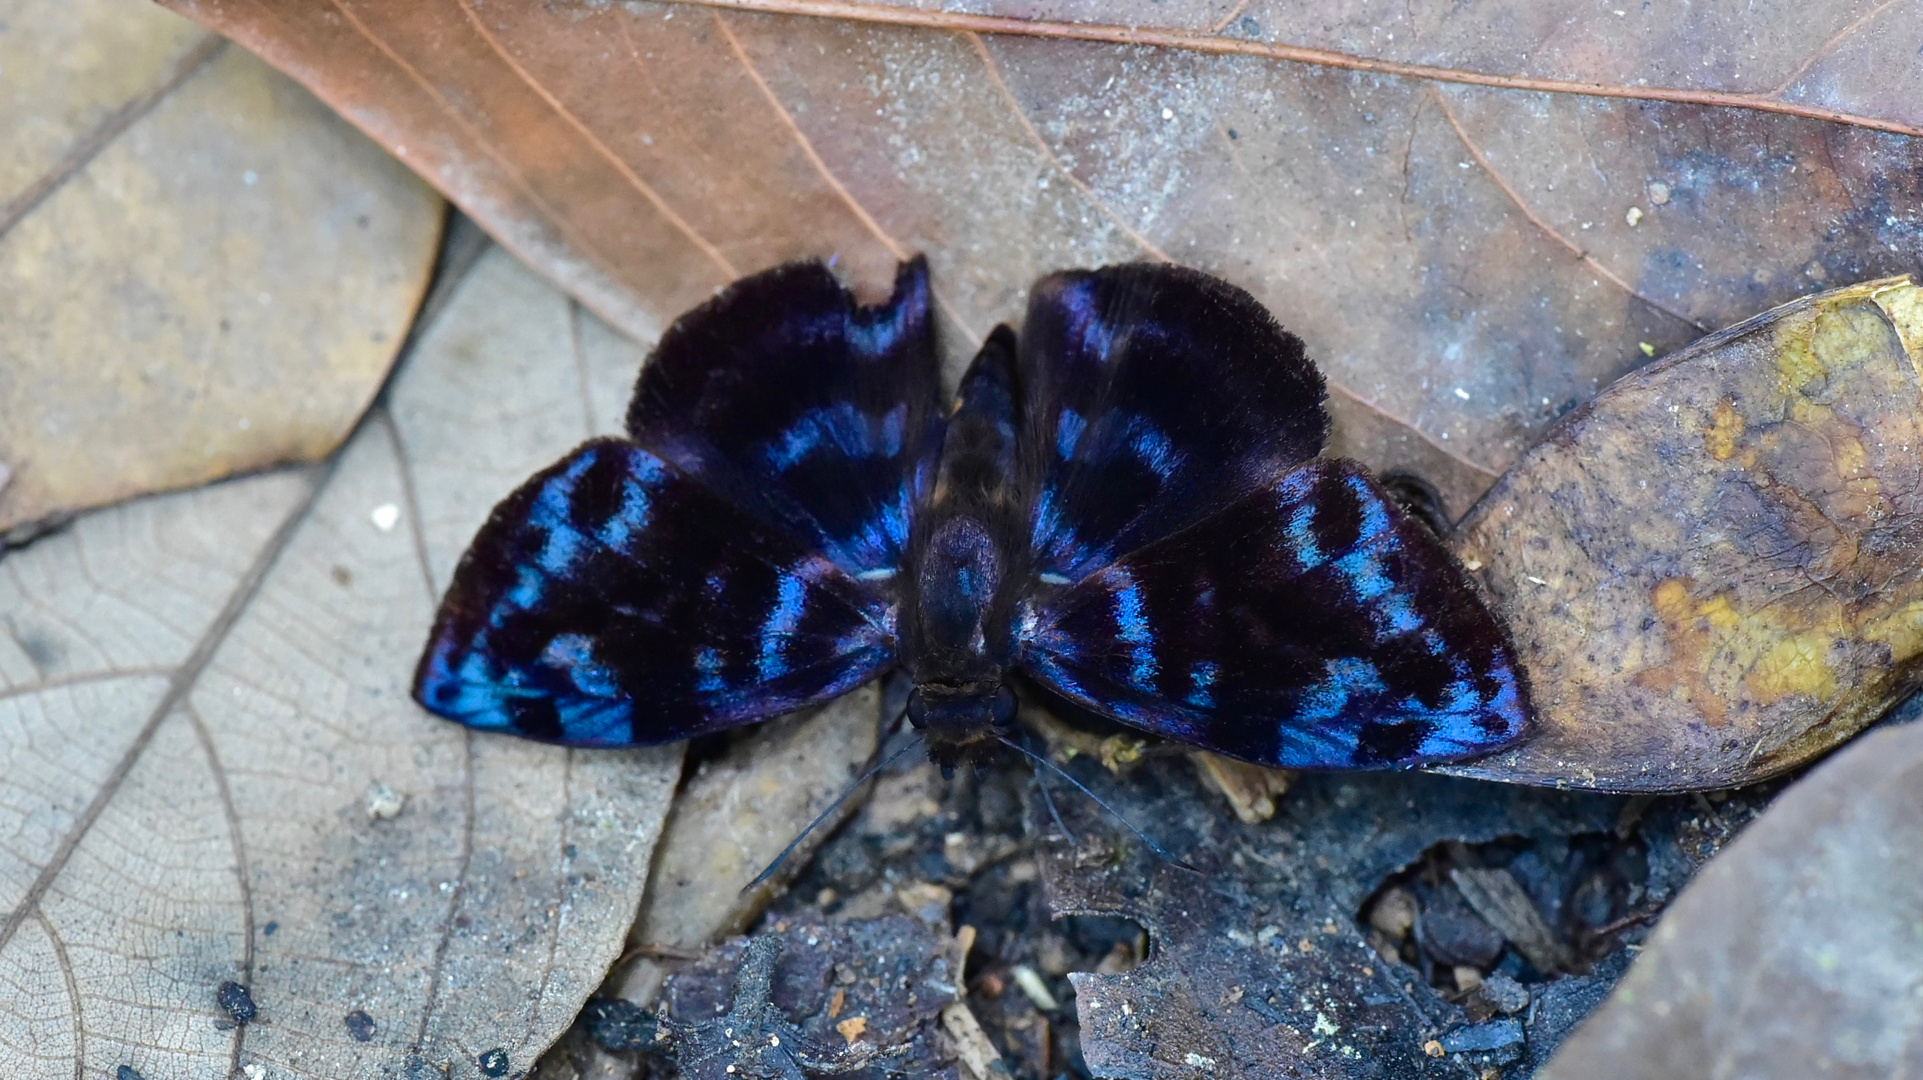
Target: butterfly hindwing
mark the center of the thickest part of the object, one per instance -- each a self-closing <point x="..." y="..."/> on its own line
<point x="1153" y="395"/>
<point x="613" y="600"/>
<point x="1311" y="624"/>
<point x="799" y="405"/>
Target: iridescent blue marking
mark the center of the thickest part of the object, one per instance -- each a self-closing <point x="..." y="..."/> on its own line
<point x="1368" y="578"/>
<point x="561" y="545"/>
<point x="1131" y="627"/>
<point x="877" y="336"/>
<point x="1398" y="617"/>
<point x="1375" y="516"/>
<point x="1084" y="321"/>
<point x="529" y="584"/>
<point x="781" y="622"/>
<point x="594" y="721"/>
<point x="574" y="654"/>
<point x="843" y="426"/>
<point x="1343" y="678"/>
<point x="1201" y="682"/>
<point x="1055" y="543"/>
<point x="1301" y="536"/>
<point x="1151" y="446"/>
<point x="707" y="670"/>
<point x="1455" y="726"/>
<point x="630" y="520"/>
<point x="1046" y="652"/>
<point x="1068" y="431"/>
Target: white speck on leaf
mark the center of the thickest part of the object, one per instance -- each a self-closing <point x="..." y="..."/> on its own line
<point x="385" y="517"/>
<point x="383" y="802"/>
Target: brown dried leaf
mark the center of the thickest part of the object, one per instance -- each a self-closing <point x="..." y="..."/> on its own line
<point x="1793" y="954"/>
<point x="734" y="815"/>
<point x="210" y="770"/>
<point x="1710" y="570"/>
<point x="1832" y="60"/>
<point x="1454" y="242"/>
<point x="202" y="272"/>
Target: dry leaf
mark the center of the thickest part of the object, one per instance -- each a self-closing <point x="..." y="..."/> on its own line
<point x="1454" y="242"/>
<point x="1710" y="571"/>
<point x="734" y="815"/>
<point x="201" y="690"/>
<point x="202" y="272"/>
<point x="1794" y="954"/>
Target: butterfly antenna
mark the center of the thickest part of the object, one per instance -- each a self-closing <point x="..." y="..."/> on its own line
<point x="832" y="807"/>
<point x="1048" y="800"/>
<point x="1097" y="799"/>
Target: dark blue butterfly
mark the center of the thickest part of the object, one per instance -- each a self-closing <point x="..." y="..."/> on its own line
<point x="1125" y="505"/>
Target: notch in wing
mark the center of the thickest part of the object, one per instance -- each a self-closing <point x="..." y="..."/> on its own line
<point x="1310" y="624"/>
<point x="613" y="601"/>
<point x="1152" y="395"/>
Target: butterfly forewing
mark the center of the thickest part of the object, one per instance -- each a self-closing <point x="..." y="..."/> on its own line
<point x="802" y="407"/>
<point x="614" y="601"/>
<point x="1310" y="624"/>
<point x="1152" y="397"/>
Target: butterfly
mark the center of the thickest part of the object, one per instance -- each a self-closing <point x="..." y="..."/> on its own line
<point x="1124" y="505"/>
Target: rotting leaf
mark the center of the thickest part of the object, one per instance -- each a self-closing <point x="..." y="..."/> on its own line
<point x="202" y="271"/>
<point x="1710" y="570"/>
<point x="733" y="816"/>
<point x="200" y="689"/>
<point x="1794" y="954"/>
<point x="1454" y="243"/>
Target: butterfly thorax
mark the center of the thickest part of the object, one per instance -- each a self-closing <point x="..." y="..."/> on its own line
<point x="967" y="568"/>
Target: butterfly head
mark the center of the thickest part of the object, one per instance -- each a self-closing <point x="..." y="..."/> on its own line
<point x="959" y="721"/>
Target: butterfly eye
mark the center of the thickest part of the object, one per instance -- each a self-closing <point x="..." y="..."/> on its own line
<point x="917" y="709"/>
<point x="1004" y="708"/>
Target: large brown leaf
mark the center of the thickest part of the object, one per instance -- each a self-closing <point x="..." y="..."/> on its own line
<point x="1711" y="569"/>
<point x="202" y="271"/>
<point x="1470" y="246"/>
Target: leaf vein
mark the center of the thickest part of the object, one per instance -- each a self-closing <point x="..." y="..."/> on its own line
<point x="182" y="681"/>
<point x="1542" y="224"/>
<point x="607" y="154"/>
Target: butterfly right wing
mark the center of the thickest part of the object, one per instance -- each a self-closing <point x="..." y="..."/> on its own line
<point x="1309" y="625"/>
<point x="614" y="601"/>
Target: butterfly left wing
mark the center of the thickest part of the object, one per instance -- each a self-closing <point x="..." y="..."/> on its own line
<point x="1309" y="625"/>
<point x="614" y="601"/>
<point x="815" y="413"/>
